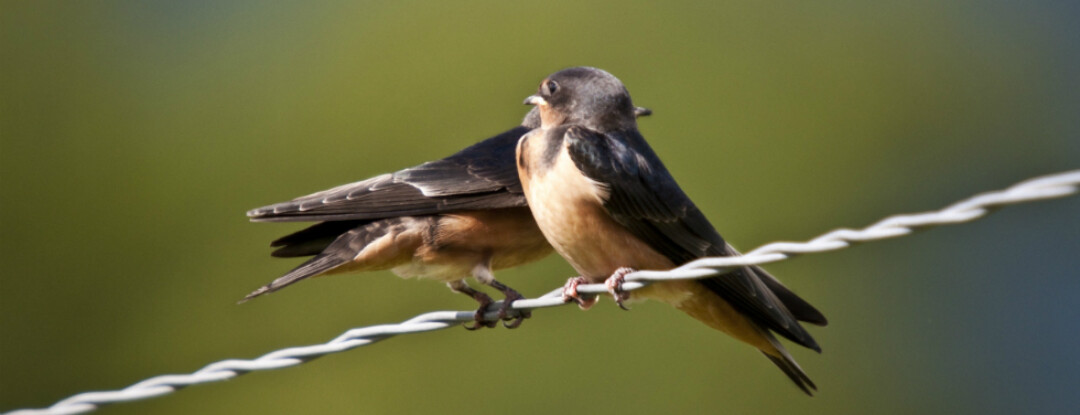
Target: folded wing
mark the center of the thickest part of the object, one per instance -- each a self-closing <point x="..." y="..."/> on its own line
<point x="643" y="197"/>
<point x="482" y="176"/>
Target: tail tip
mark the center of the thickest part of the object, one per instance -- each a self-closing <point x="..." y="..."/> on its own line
<point x="262" y="290"/>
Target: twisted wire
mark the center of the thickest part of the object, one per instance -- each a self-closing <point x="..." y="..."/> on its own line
<point x="1041" y="188"/>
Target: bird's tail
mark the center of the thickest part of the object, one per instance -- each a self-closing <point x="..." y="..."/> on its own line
<point x="798" y="307"/>
<point x="782" y="359"/>
<point x="369" y="246"/>
<point x="802" y="311"/>
<point x="314" y="239"/>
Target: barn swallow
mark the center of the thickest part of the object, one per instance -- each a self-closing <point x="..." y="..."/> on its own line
<point x="464" y="215"/>
<point x="606" y="203"/>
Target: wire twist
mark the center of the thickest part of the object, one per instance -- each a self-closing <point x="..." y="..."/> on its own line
<point x="1041" y="188"/>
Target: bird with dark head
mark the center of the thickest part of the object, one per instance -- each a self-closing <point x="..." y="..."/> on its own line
<point x="464" y="215"/>
<point x="584" y="96"/>
<point x="607" y="204"/>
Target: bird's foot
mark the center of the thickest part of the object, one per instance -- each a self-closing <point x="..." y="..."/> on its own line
<point x="570" y="293"/>
<point x="504" y="311"/>
<point x="614" y="286"/>
<point x="478" y="317"/>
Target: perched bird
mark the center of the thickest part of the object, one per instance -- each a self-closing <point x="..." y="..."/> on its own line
<point x="608" y="205"/>
<point x="464" y="215"/>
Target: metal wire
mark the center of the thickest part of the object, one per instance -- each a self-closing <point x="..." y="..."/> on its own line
<point x="1046" y="187"/>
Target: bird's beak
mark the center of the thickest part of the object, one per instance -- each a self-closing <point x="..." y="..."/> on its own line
<point x="535" y="100"/>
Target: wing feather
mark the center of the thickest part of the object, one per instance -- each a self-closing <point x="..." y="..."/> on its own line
<point x="482" y="176"/>
<point x="645" y="199"/>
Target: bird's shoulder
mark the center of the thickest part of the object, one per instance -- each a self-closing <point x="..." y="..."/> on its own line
<point x="482" y="167"/>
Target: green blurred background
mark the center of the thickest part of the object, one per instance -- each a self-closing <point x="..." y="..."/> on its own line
<point x="136" y="134"/>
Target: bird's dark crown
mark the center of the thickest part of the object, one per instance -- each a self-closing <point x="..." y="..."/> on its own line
<point x="590" y="97"/>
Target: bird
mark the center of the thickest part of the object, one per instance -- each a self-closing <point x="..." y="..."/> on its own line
<point x="449" y="219"/>
<point x="608" y="205"/>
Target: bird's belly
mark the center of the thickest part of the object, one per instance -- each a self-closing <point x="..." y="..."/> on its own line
<point x="504" y="237"/>
<point x="460" y="242"/>
<point x="445" y="272"/>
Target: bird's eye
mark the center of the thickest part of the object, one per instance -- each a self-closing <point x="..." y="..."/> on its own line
<point x="552" y="86"/>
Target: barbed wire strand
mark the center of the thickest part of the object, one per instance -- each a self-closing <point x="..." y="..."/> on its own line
<point x="1041" y="188"/>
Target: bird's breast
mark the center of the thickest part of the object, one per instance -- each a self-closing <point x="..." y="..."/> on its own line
<point x="568" y="208"/>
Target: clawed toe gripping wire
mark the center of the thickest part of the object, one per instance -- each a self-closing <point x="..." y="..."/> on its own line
<point x="1046" y="187"/>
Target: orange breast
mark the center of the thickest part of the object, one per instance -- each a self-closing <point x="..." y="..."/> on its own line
<point x="508" y="237"/>
<point x="568" y="208"/>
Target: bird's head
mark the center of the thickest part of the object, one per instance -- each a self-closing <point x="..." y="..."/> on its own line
<point x="584" y="96"/>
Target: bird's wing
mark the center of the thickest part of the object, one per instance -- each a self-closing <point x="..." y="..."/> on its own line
<point x="482" y="176"/>
<point x="643" y="197"/>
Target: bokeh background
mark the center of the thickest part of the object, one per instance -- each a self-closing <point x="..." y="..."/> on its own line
<point x="135" y="135"/>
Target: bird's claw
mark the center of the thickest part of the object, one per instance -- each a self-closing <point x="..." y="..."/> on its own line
<point x="479" y="321"/>
<point x="614" y="286"/>
<point x="478" y="317"/>
<point x="504" y="311"/>
<point x="570" y="293"/>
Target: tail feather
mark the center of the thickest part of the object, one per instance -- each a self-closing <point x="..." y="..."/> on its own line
<point x="794" y="372"/>
<point x="313" y="239"/>
<point x="787" y="364"/>
<point x="343" y="250"/>
<point x="309" y="268"/>
<point x="798" y="307"/>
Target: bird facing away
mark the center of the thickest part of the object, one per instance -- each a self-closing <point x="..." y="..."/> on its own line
<point x="606" y="203"/>
<point x="464" y="215"/>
